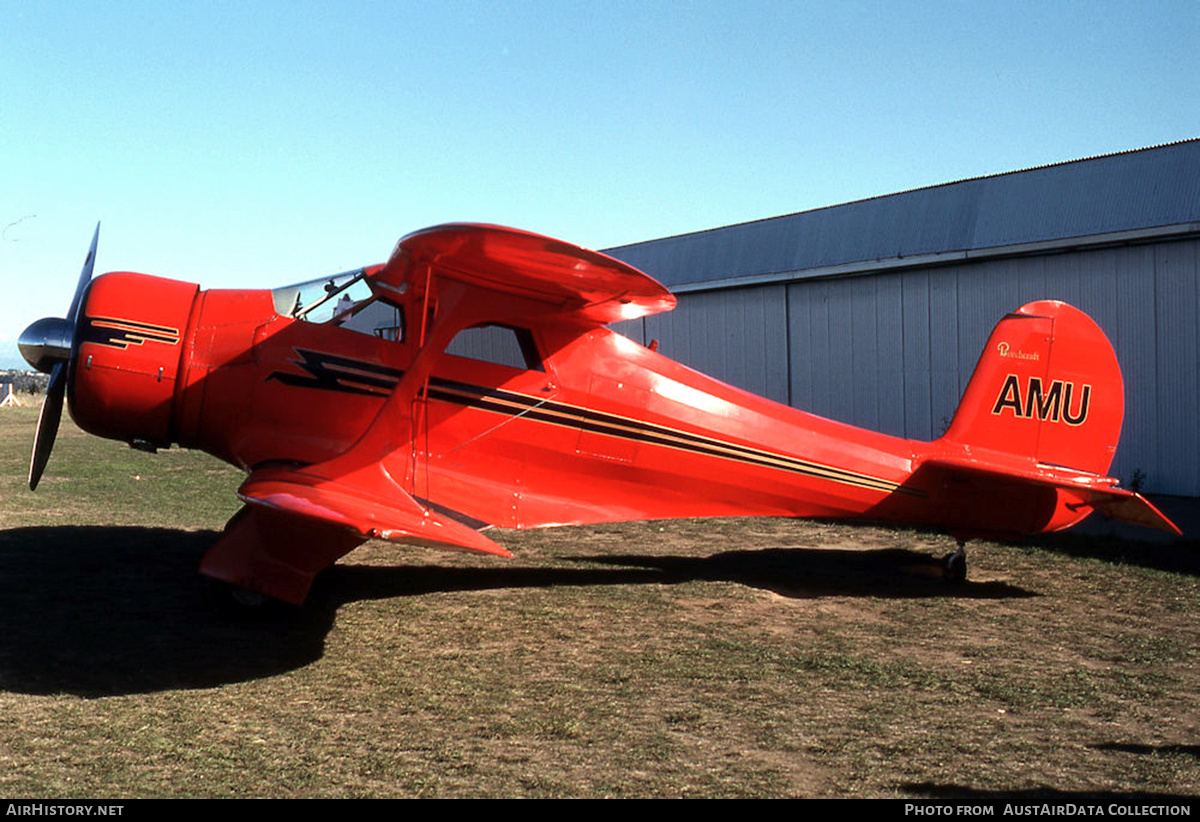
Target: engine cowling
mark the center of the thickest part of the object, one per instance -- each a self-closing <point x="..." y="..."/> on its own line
<point x="130" y="344"/>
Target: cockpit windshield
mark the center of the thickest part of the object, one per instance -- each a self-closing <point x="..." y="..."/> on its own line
<point x="319" y="301"/>
<point x="346" y="300"/>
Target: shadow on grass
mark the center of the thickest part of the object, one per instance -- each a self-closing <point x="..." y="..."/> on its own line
<point x="1179" y="557"/>
<point x="805" y="573"/>
<point x="1192" y="751"/>
<point x="98" y="611"/>
<point x="103" y="611"/>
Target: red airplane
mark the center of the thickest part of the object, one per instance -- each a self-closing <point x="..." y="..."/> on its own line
<point x="471" y="381"/>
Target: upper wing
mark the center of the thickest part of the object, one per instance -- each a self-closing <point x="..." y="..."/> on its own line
<point x="587" y="284"/>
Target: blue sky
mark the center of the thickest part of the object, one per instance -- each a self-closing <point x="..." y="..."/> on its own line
<point x="251" y="144"/>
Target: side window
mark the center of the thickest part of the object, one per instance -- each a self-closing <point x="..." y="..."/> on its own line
<point x="499" y="345"/>
<point x="382" y="319"/>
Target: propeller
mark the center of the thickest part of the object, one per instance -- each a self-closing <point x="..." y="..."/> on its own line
<point x="47" y="345"/>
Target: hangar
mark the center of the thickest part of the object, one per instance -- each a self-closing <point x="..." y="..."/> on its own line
<point x="874" y="312"/>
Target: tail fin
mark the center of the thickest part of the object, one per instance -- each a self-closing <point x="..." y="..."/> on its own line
<point x="1047" y="387"/>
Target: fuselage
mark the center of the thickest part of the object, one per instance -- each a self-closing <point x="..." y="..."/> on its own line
<point x="496" y="410"/>
<point x="473" y="380"/>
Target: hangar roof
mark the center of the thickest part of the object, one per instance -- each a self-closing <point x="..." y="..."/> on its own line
<point x="1113" y="198"/>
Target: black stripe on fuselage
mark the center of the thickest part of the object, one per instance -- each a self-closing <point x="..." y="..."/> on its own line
<point x="585" y="419"/>
<point x="334" y="373"/>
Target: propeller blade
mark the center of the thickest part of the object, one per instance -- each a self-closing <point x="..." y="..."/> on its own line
<point x="84" y="277"/>
<point x="47" y="428"/>
<point x="52" y="341"/>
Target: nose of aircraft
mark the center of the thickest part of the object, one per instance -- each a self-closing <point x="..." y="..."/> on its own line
<point x="46" y="343"/>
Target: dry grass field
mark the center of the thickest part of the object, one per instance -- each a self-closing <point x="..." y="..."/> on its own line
<point x="729" y="658"/>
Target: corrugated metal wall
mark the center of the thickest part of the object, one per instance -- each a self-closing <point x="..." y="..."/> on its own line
<point x="738" y="336"/>
<point x="893" y="351"/>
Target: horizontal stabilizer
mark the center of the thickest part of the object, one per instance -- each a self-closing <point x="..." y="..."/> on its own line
<point x="1092" y="490"/>
<point x="1132" y="507"/>
<point x="397" y="519"/>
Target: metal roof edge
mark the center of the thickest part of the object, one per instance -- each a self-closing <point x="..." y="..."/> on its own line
<point x="940" y="258"/>
<point x="617" y="248"/>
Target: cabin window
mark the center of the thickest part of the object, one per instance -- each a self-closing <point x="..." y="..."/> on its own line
<point x="384" y="320"/>
<point x="499" y="345"/>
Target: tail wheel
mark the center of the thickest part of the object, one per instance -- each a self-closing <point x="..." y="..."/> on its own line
<point x="954" y="566"/>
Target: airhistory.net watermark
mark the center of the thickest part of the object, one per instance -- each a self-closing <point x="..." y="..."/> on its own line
<point x="52" y="809"/>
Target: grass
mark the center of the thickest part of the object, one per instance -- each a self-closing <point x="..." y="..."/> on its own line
<point x="730" y="658"/>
